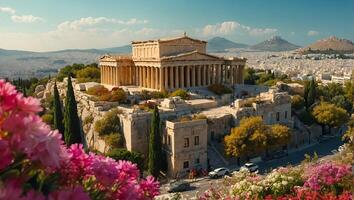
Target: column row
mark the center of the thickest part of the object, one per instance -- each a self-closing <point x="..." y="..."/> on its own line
<point x="118" y="76"/>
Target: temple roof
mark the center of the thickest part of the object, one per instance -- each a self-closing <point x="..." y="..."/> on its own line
<point x="169" y="39"/>
<point x="195" y="53"/>
<point x="116" y="57"/>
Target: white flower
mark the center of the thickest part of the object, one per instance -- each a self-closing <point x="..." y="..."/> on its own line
<point x="284" y="182"/>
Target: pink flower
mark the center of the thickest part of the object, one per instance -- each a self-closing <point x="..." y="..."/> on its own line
<point x="40" y="143"/>
<point x="105" y="169"/>
<point x="150" y="187"/>
<point x="69" y="194"/>
<point x="325" y="174"/>
<point x="7" y="96"/>
<point x="5" y="154"/>
<point x="12" y="190"/>
<point x="127" y="170"/>
<point x="28" y="104"/>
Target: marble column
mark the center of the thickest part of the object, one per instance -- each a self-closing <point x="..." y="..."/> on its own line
<point x="171" y="78"/>
<point x="166" y="77"/>
<point x="176" y="72"/>
<point x="205" y="79"/>
<point x="193" y="68"/>
<point x="199" y="75"/>
<point x="149" y="77"/>
<point x="105" y="74"/>
<point x="182" y="77"/>
<point x="188" y="81"/>
<point x="207" y="74"/>
<point x="157" y="78"/>
<point x="143" y="77"/>
<point x="114" y="75"/>
<point x="162" y="78"/>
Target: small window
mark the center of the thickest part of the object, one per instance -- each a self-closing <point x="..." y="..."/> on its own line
<point x="168" y="140"/>
<point x="196" y="140"/>
<point x="185" y="165"/>
<point x="278" y="116"/>
<point x="197" y="161"/>
<point x="286" y="115"/>
<point x="186" y="142"/>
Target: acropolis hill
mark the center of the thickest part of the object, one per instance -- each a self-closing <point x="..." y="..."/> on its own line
<point x="191" y="127"/>
<point x="168" y="64"/>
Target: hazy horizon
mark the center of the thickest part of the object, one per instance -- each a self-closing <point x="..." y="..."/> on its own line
<point x="38" y="25"/>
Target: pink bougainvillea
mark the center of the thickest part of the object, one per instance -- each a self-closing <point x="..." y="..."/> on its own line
<point x="326" y="174"/>
<point x="31" y="154"/>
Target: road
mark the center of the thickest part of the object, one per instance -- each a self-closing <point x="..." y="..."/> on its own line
<point x="295" y="158"/>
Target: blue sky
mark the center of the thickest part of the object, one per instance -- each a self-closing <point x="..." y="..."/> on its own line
<point x="43" y="25"/>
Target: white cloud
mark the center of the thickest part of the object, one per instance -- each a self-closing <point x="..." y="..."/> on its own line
<point x="7" y="10"/>
<point x="312" y="33"/>
<point x="224" y="28"/>
<point x="261" y="32"/>
<point x="25" y="19"/>
<point x="232" y="27"/>
<point x="91" y="21"/>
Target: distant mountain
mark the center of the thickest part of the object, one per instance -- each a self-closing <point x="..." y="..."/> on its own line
<point x="219" y="44"/>
<point x="5" y="52"/>
<point x="121" y="49"/>
<point x="14" y="63"/>
<point x="329" y="45"/>
<point x="275" y="43"/>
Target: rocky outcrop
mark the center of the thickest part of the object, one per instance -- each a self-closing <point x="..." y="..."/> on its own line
<point x="87" y="108"/>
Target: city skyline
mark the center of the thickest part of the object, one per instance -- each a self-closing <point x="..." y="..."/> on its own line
<point x="46" y="26"/>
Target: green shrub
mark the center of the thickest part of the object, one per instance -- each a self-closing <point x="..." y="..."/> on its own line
<point x="158" y="94"/>
<point x="114" y="140"/>
<point x="146" y="95"/>
<point x="118" y="95"/>
<point x="297" y="102"/>
<point x="97" y="90"/>
<point x="88" y="119"/>
<point x="306" y="117"/>
<point x="123" y="154"/>
<point x="48" y="118"/>
<point x="219" y="89"/>
<point x="181" y="93"/>
<point x="88" y="74"/>
<point x="109" y="124"/>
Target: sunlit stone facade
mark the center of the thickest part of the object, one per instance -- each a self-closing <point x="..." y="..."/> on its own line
<point x="168" y="64"/>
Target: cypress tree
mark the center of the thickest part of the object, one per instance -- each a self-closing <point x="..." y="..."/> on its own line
<point x="58" y="112"/>
<point x="306" y="91"/>
<point x="72" y="132"/>
<point x="155" y="144"/>
<point x="311" y="96"/>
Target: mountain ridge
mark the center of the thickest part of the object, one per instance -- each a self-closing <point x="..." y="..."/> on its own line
<point x="331" y="45"/>
<point x="276" y="43"/>
<point x="220" y="44"/>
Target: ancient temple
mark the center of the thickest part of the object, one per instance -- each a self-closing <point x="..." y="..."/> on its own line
<point x="168" y="64"/>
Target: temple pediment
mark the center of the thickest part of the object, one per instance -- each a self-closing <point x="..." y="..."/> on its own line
<point x="194" y="55"/>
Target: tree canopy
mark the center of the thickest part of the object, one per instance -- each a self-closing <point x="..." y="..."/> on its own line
<point x="253" y="136"/>
<point x="329" y="114"/>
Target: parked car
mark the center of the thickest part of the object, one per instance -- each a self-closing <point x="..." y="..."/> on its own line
<point x="341" y="148"/>
<point x="251" y="167"/>
<point x="178" y="186"/>
<point x="334" y="151"/>
<point x="219" y="172"/>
